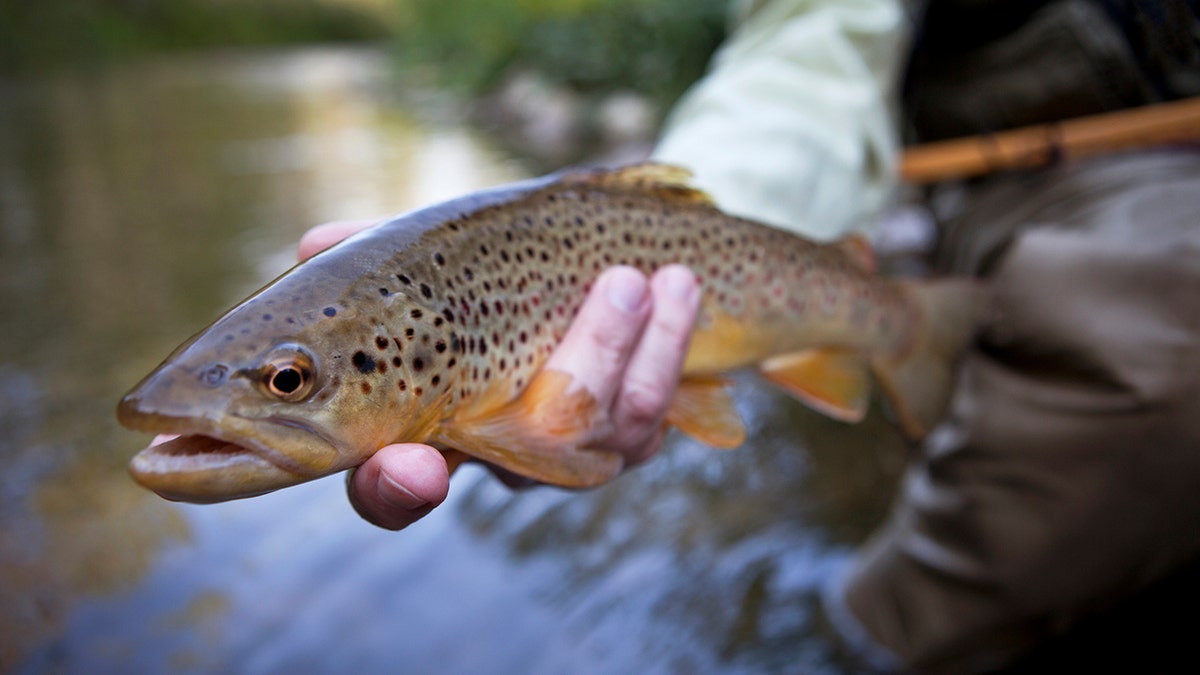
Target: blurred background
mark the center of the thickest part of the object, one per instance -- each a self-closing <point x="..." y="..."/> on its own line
<point x="158" y="162"/>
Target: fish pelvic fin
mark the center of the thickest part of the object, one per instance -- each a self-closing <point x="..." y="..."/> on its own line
<point x="667" y="182"/>
<point x="539" y="435"/>
<point x="703" y="409"/>
<point x="835" y="382"/>
<point x="919" y="381"/>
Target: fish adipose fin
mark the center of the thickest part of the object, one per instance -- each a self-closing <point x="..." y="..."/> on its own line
<point x="703" y="409"/>
<point x="858" y="249"/>
<point x="537" y="435"/>
<point x="918" y="382"/>
<point x="833" y="381"/>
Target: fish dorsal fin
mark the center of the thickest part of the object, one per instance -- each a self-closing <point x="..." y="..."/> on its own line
<point x="835" y="382"/>
<point x="538" y="435"/>
<point x="858" y="249"/>
<point x="665" y="181"/>
<point x="703" y="409"/>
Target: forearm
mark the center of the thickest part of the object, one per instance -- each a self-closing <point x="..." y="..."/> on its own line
<point x="793" y="124"/>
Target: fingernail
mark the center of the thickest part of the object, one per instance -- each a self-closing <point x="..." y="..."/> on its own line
<point x="396" y="495"/>
<point x="626" y="289"/>
<point x="680" y="282"/>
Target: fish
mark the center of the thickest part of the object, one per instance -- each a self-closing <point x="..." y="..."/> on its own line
<point x="433" y="327"/>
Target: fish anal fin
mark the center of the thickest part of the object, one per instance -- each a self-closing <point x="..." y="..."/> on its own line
<point x="539" y="435"/>
<point x="703" y="409"/>
<point x="665" y="181"/>
<point x="835" y="382"/>
<point x="858" y="249"/>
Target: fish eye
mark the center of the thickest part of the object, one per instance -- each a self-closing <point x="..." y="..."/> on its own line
<point x="289" y="376"/>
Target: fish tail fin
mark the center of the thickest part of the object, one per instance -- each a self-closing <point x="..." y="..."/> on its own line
<point x="918" y="382"/>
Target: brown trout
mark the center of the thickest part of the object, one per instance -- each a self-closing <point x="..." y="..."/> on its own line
<point x="433" y="326"/>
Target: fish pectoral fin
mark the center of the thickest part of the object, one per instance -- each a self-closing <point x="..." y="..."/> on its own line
<point x="539" y="435"/>
<point x="703" y="409"/>
<point x="835" y="382"/>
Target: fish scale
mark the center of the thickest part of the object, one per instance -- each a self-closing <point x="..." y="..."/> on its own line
<point x="434" y="327"/>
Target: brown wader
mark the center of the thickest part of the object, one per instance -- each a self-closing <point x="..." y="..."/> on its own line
<point x="1067" y="476"/>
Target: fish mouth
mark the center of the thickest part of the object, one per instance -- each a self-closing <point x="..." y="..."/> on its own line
<point x="205" y="463"/>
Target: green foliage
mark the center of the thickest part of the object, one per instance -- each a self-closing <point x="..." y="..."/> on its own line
<point x="50" y="33"/>
<point x="656" y="47"/>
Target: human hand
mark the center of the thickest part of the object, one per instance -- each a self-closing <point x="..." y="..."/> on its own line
<point x="626" y="346"/>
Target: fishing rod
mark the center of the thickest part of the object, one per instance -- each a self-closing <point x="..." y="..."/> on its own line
<point x="1039" y="145"/>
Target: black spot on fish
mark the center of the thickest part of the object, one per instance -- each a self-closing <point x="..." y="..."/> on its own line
<point x="440" y="346"/>
<point x="416" y="314"/>
<point x="381" y="342"/>
<point x="266" y="317"/>
<point x="364" y="363"/>
<point x="418" y="364"/>
<point x="329" y="311"/>
<point x="448" y="314"/>
<point x="384" y="292"/>
<point x="439" y="259"/>
<point x="426" y="291"/>
<point x="404" y="279"/>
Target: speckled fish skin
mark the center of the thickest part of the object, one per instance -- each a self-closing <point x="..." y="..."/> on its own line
<point x="431" y="327"/>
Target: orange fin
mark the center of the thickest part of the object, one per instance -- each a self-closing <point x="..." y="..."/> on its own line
<point x="918" y="383"/>
<point x="833" y="381"/>
<point x="538" y="435"/>
<point x="668" y="182"/>
<point x="703" y="409"/>
<point x="858" y="249"/>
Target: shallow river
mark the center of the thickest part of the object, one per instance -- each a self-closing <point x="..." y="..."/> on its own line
<point x="138" y="203"/>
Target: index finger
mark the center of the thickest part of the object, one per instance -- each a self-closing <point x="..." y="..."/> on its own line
<point x="323" y="236"/>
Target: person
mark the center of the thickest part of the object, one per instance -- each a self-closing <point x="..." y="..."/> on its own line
<point x="1065" y="477"/>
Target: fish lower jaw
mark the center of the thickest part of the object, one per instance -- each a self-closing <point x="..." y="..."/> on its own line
<point x="204" y="463"/>
<point x="203" y="469"/>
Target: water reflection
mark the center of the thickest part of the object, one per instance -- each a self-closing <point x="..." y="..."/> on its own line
<point x="137" y="204"/>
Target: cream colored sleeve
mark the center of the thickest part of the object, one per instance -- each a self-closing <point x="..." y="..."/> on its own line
<point x="793" y="124"/>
